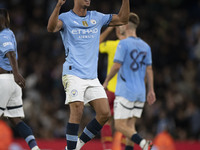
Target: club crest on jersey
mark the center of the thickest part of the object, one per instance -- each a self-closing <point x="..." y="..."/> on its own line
<point x="93" y="21"/>
<point x="85" y="23"/>
<point x="74" y="93"/>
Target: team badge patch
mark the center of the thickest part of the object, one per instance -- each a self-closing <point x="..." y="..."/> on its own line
<point x="85" y="23"/>
<point x="74" y="93"/>
<point x="93" y="21"/>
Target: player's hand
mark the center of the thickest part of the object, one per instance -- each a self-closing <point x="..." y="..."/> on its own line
<point x="61" y="2"/>
<point x="151" y="97"/>
<point x="105" y="84"/>
<point x="19" y="80"/>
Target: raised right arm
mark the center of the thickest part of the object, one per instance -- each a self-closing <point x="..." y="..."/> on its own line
<point x="122" y="17"/>
<point x="54" y="24"/>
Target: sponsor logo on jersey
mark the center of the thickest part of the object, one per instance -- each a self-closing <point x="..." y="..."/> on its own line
<point x="7" y="43"/>
<point x="84" y="31"/>
<point x="85" y="23"/>
<point x="93" y="21"/>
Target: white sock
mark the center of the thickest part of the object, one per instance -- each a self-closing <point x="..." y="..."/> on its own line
<point x="35" y="148"/>
<point x="79" y="144"/>
<point x="142" y="143"/>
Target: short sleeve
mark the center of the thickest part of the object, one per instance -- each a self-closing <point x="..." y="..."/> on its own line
<point x="6" y="44"/>
<point x="105" y="19"/>
<point x="120" y="52"/>
<point x="148" y="59"/>
<point x="62" y="18"/>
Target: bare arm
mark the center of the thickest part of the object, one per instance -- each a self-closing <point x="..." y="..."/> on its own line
<point x="122" y="17"/>
<point x="151" y="98"/>
<point x="17" y="76"/>
<point x="105" y="34"/>
<point x="115" y="68"/>
<point x="54" y="24"/>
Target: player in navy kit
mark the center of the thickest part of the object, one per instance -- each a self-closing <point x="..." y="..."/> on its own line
<point x="80" y="32"/>
<point x="11" y="81"/>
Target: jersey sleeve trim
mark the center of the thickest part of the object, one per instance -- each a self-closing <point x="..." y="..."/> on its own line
<point x="109" y="20"/>
<point x="9" y="50"/>
<point x="149" y="64"/>
<point x="118" y="61"/>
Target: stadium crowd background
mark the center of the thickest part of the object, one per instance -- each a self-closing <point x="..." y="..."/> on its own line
<point x="171" y="27"/>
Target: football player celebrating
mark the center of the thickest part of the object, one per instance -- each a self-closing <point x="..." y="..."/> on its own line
<point x="80" y="31"/>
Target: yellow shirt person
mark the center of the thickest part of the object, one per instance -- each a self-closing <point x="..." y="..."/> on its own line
<point x="109" y="47"/>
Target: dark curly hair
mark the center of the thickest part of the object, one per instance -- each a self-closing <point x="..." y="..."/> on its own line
<point x="4" y="19"/>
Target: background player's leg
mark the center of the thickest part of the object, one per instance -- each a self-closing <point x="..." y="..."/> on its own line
<point x="106" y="131"/>
<point x="76" y="111"/>
<point x="25" y="131"/>
<point x="102" y="110"/>
<point x="130" y="132"/>
<point x="129" y="143"/>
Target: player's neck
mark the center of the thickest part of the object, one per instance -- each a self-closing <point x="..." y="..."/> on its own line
<point x="131" y="33"/>
<point x="80" y="11"/>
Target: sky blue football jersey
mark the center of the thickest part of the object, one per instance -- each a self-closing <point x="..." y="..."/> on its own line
<point x="7" y="44"/>
<point x="80" y="36"/>
<point x="134" y="54"/>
